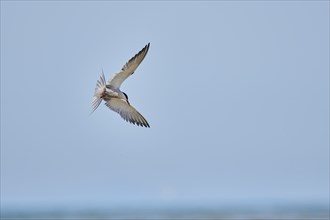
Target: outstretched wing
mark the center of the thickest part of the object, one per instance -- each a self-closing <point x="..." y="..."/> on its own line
<point x="127" y="112"/>
<point x="129" y="68"/>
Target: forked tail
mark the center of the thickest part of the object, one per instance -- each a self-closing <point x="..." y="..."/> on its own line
<point x="99" y="89"/>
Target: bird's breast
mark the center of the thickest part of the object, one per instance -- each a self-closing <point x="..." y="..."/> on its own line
<point x="109" y="93"/>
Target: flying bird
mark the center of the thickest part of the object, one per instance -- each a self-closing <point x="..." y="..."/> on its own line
<point x="114" y="98"/>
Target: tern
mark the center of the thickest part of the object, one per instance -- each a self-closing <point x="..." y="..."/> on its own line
<point x="114" y="98"/>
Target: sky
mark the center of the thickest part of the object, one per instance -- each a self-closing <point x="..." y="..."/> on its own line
<point x="236" y="94"/>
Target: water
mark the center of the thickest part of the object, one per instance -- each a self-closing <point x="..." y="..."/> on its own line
<point x="278" y="212"/>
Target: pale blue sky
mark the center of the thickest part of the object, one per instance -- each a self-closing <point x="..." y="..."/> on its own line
<point x="236" y="94"/>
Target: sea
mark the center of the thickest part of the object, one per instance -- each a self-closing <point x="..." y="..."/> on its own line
<point x="284" y="212"/>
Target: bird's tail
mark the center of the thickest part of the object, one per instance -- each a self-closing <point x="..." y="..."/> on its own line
<point x="99" y="89"/>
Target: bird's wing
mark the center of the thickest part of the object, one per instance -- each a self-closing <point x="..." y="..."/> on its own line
<point x="129" y="68"/>
<point x="127" y="112"/>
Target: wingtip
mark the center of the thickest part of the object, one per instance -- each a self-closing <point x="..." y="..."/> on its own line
<point x="147" y="47"/>
<point x="146" y="125"/>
